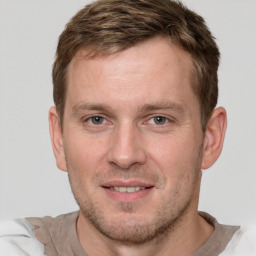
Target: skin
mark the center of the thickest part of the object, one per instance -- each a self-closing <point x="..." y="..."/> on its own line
<point x="132" y="119"/>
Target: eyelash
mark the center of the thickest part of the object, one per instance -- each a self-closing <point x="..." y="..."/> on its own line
<point x="105" y="120"/>
<point x="166" y="119"/>
<point x="89" y="120"/>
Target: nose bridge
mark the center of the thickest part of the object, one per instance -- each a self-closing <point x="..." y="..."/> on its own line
<point x="126" y="147"/>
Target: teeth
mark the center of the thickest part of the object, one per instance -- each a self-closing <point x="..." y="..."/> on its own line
<point x="127" y="189"/>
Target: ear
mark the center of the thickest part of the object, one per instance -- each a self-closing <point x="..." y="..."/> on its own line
<point x="57" y="139"/>
<point x="214" y="137"/>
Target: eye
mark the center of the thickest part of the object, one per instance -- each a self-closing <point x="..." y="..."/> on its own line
<point x="159" y="120"/>
<point x="96" y="120"/>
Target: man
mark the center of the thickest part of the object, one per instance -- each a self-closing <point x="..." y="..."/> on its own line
<point x="135" y="89"/>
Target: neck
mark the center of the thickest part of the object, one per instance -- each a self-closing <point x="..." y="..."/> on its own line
<point x="186" y="237"/>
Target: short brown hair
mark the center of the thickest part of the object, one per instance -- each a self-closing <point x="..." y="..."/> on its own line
<point x="109" y="26"/>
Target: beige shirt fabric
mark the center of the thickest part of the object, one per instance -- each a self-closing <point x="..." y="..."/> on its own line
<point x="59" y="236"/>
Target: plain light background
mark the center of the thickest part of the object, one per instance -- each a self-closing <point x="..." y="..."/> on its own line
<point x="31" y="184"/>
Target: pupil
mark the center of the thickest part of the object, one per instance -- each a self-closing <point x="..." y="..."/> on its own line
<point x="159" y="119"/>
<point x="97" y="120"/>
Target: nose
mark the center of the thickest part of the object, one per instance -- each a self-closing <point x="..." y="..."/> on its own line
<point x="126" y="147"/>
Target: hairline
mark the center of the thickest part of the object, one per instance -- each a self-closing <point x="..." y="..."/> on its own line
<point x="93" y="53"/>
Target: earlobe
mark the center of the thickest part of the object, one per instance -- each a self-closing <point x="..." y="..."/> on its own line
<point x="214" y="137"/>
<point x="57" y="139"/>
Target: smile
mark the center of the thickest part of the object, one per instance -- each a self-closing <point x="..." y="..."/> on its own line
<point x="128" y="193"/>
<point x="127" y="189"/>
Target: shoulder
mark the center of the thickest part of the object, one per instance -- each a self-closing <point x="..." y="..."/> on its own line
<point x="242" y="243"/>
<point x="17" y="238"/>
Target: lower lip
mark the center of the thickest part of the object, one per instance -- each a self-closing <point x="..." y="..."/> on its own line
<point x="127" y="197"/>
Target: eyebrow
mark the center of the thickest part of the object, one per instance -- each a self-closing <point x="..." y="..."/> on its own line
<point x="90" y="106"/>
<point x="163" y="105"/>
<point x="145" y="108"/>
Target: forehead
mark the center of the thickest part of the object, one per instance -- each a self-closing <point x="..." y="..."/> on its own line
<point x="150" y="68"/>
<point x="163" y="51"/>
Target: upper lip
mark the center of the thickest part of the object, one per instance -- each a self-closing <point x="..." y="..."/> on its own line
<point x="131" y="183"/>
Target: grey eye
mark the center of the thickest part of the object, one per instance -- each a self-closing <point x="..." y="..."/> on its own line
<point x="160" y="120"/>
<point x="97" y="120"/>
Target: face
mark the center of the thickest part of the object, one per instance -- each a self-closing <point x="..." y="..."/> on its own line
<point x="132" y="139"/>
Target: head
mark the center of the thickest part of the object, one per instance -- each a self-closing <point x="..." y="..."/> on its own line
<point x="109" y="26"/>
<point x="135" y="86"/>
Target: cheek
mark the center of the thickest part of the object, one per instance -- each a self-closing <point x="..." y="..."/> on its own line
<point x="82" y="154"/>
<point x="176" y="158"/>
<point x="168" y="151"/>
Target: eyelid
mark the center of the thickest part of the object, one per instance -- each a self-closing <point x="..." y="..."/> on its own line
<point x="90" y="119"/>
<point x="87" y="118"/>
<point x="169" y="119"/>
<point x="107" y="119"/>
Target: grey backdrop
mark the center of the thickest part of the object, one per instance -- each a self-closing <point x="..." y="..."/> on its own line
<point x="31" y="184"/>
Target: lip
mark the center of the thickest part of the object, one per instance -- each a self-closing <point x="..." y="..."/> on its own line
<point x="127" y="197"/>
<point x="129" y="183"/>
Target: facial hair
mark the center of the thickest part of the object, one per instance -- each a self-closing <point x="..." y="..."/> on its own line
<point x="126" y="229"/>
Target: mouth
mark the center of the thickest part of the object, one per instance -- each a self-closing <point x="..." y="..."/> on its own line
<point x="124" y="192"/>
<point x="128" y="189"/>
